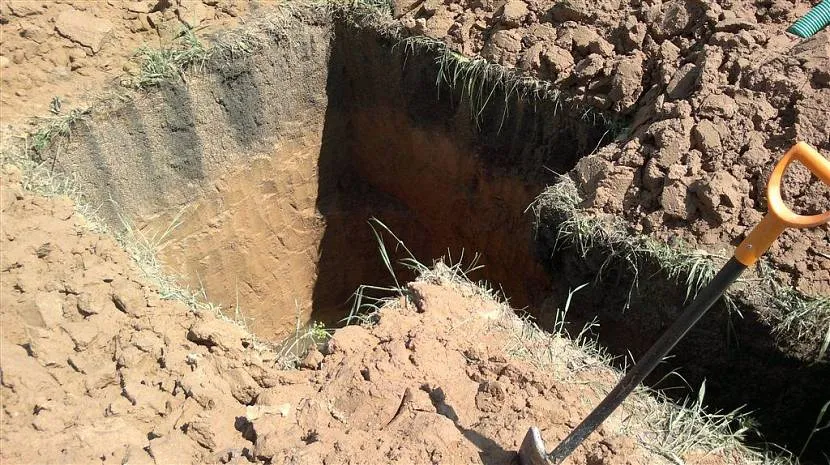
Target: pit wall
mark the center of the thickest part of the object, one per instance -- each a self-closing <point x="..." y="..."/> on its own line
<point x="468" y="181"/>
<point x="258" y="178"/>
<point x="226" y="166"/>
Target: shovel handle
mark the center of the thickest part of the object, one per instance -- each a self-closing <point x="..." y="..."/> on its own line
<point x="779" y="217"/>
<point x="757" y="242"/>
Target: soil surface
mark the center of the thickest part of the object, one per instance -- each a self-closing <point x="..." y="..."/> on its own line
<point x="711" y="94"/>
<point x="97" y="367"/>
<point x="70" y="49"/>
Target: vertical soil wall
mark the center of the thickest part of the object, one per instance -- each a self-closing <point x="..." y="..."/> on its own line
<point x="257" y="180"/>
<point x="230" y="157"/>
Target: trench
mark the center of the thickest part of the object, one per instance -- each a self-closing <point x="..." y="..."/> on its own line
<point x="262" y="177"/>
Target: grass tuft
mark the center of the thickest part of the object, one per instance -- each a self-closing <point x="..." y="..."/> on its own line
<point x="52" y="129"/>
<point x="677" y="430"/>
<point x="306" y="336"/>
<point x="691" y="268"/>
<point x="483" y="84"/>
<point x="160" y="65"/>
<point x="367" y="300"/>
<point x="800" y="316"/>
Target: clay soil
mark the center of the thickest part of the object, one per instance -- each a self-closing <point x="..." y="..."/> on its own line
<point x="710" y="95"/>
<point x="96" y="367"/>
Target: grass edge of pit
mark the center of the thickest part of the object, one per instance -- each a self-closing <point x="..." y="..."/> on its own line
<point x="791" y="314"/>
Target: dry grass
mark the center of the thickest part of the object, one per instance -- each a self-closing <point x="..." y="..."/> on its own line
<point x="484" y="84"/>
<point x="51" y="130"/>
<point x="160" y="65"/>
<point x="792" y="314"/>
<point x="676" y="430"/>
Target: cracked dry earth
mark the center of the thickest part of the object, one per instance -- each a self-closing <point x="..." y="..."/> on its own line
<point x="96" y="367"/>
<point x="711" y="95"/>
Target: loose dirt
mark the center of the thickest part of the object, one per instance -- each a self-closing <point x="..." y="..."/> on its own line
<point x="97" y="367"/>
<point x="711" y="95"/>
<point x="70" y="49"/>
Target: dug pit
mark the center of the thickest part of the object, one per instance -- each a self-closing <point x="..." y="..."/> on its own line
<point x="256" y="181"/>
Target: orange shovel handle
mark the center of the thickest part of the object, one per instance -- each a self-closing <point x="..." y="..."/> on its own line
<point x="780" y="217"/>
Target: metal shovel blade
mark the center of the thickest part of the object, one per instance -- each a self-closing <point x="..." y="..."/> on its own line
<point x="532" y="451"/>
<point x="533" y="448"/>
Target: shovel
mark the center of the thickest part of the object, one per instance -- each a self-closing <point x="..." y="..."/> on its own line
<point x="779" y="218"/>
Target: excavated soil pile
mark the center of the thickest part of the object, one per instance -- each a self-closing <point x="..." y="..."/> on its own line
<point x="96" y="367"/>
<point x="712" y="93"/>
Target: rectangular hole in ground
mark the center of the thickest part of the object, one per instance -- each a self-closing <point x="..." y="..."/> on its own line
<point x="281" y="230"/>
<point x="274" y="163"/>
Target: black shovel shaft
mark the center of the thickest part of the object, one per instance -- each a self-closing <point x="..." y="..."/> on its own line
<point x="704" y="300"/>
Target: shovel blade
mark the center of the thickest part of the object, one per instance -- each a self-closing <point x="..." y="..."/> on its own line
<point x="532" y="451"/>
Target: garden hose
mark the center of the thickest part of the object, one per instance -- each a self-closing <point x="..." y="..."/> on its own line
<point x="815" y="20"/>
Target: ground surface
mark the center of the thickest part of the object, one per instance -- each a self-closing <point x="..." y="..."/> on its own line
<point x="70" y="49"/>
<point x="95" y="366"/>
<point x="711" y="95"/>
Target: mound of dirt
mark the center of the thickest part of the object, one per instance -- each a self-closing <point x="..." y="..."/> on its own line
<point x="68" y="50"/>
<point x="711" y="94"/>
<point x="96" y="367"/>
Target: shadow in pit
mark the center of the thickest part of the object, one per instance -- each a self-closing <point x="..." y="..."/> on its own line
<point x="348" y="252"/>
<point x="491" y="451"/>
<point x="401" y="149"/>
<point x="738" y="358"/>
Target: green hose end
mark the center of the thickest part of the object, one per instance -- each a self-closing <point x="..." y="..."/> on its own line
<point x="815" y="20"/>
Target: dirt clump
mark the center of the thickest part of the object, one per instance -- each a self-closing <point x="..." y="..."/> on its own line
<point x="96" y="366"/>
<point x="69" y="50"/>
<point x="707" y="92"/>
